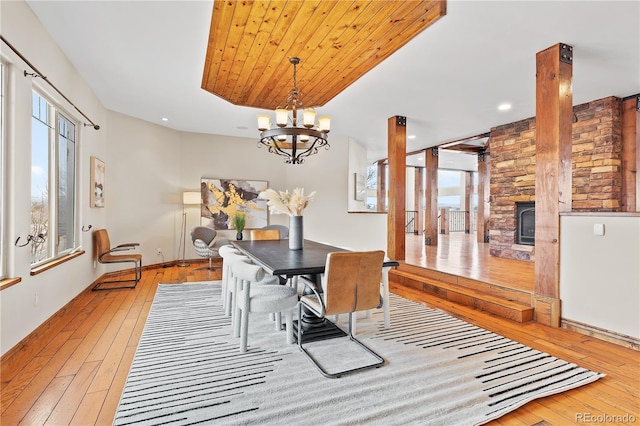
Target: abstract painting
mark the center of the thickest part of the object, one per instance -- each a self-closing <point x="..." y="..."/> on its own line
<point x="224" y="198"/>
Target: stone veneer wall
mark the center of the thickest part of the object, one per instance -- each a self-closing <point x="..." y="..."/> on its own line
<point x="596" y="164"/>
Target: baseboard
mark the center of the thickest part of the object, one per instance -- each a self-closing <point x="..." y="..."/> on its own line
<point x="602" y="334"/>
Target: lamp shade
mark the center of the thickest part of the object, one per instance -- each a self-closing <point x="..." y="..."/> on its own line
<point x="309" y="117"/>
<point x="191" y="198"/>
<point x="324" y="124"/>
<point x="282" y="116"/>
<point x="263" y="122"/>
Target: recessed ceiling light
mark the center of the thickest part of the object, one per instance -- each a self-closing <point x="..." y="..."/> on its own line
<point x="165" y="119"/>
<point x="411" y="137"/>
<point x="504" y="107"/>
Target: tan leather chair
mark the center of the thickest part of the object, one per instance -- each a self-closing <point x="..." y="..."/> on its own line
<point x="105" y="254"/>
<point x="284" y="230"/>
<point x="264" y="234"/>
<point x="351" y="283"/>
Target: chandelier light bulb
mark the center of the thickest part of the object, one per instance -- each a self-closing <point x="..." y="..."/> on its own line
<point x="309" y="118"/>
<point x="263" y="122"/>
<point x="282" y="116"/>
<point x="324" y="124"/>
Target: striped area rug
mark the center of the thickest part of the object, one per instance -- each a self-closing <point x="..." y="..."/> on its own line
<point x="439" y="370"/>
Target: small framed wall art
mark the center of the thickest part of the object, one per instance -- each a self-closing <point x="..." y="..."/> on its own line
<point x="97" y="182"/>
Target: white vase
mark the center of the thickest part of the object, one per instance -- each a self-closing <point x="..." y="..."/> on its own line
<point x="296" y="238"/>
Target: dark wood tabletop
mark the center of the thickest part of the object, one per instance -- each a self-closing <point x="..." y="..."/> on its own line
<point x="276" y="257"/>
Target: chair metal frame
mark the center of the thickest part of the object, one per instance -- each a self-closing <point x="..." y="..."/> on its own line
<point x="328" y="310"/>
<point x="105" y="257"/>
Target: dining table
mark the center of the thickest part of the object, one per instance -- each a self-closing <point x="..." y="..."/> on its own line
<point x="276" y="258"/>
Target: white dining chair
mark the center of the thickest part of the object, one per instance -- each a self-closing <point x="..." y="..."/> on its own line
<point x="226" y="252"/>
<point x="260" y="298"/>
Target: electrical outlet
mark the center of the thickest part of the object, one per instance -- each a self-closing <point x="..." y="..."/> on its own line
<point x="36" y="299"/>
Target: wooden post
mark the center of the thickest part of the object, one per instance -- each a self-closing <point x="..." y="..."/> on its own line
<point x="444" y="221"/>
<point x="381" y="197"/>
<point x="631" y="154"/>
<point x="431" y="197"/>
<point x="397" y="148"/>
<point x="482" y="220"/>
<point x="554" y="114"/>
<point x="468" y="201"/>
<point x="417" y="199"/>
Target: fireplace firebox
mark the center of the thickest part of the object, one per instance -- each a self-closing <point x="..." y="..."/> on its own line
<point x="526" y="223"/>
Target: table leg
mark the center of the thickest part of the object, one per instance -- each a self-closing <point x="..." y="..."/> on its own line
<point x="314" y="328"/>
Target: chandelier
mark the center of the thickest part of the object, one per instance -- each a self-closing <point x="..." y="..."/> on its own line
<point x="287" y="139"/>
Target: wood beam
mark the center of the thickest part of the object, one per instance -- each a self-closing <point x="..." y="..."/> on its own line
<point x="554" y="115"/>
<point x="431" y="198"/>
<point x="381" y="196"/>
<point x="397" y="148"/>
<point x="417" y="199"/>
<point x="468" y="200"/>
<point x="482" y="220"/>
<point x="631" y="154"/>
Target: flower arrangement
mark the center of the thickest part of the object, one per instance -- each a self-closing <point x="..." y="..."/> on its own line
<point x="284" y="203"/>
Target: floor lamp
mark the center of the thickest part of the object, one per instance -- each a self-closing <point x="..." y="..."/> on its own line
<point x="188" y="198"/>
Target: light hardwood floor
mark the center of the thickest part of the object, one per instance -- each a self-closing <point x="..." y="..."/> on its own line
<point x="74" y="370"/>
<point x="460" y="254"/>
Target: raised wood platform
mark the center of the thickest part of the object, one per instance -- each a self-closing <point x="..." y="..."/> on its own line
<point x="460" y="270"/>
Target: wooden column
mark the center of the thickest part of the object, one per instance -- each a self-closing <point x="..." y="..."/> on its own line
<point x="631" y="154"/>
<point x="482" y="220"/>
<point x="554" y="114"/>
<point x="397" y="150"/>
<point x="468" y="200"/>
<point x="381" y="196"/>
<point x="431" y="197"/>
<point x="417" y="199"/>
<point x="444" y="221"/>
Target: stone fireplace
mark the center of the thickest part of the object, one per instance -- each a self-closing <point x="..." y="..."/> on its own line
<point x="596" y="173"/>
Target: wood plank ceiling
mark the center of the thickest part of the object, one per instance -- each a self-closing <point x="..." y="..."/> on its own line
<point x="250" y="43"/>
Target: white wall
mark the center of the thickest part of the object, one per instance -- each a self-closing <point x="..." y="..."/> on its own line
<point x="600" y="275"/>
<point x="19" y="312"/>
<point x="215" y="156"/>
<point x="326" y="219"/>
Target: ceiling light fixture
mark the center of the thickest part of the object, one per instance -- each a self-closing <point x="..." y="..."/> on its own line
<point x="287" y="139"/>
<point x="504" y="107"/>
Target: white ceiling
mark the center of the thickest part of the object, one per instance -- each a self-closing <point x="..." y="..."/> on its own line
<point x="145" y="59"/>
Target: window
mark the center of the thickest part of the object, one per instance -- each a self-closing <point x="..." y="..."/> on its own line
<point x="3" y="168"/>
<point x="53" y="181"/>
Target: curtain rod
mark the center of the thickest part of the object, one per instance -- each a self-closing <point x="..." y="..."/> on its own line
<point x="39" y="74"/>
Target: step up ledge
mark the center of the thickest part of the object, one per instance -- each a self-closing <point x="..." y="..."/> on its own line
<point x="490" y="291"/>
<point x="504" y="308"/>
